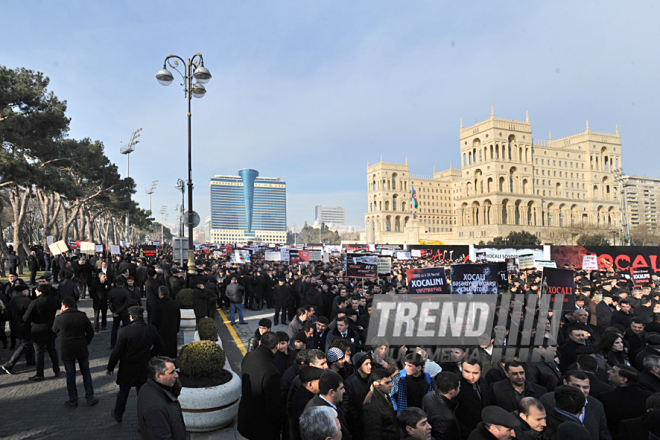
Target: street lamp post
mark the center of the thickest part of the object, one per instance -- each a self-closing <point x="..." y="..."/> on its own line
<point x="180" y="185"/>
<point x="127" y="150"/>
<point x="163" y="219"/>
<point x="194" y="68"/>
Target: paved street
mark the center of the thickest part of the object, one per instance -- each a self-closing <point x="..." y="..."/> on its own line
<point x="36" y="410"/>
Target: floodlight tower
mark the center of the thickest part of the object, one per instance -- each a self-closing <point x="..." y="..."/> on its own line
<point x="127" y="150"/>
<point x="163" y="218"/>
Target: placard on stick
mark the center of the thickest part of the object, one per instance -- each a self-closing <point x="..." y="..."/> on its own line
<point x="59" y="247"/>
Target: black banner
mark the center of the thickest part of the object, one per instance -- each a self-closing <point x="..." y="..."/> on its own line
<point x="427" y="280"/>
<point x="503" y="279"/>
<point x="474" y="278"/>
<point x="559" y="282"/>
<point x="148" y="250"/>
<point x="361" y="265"/>
<point x="616" y="257"/>
<point x="641" y="276"/>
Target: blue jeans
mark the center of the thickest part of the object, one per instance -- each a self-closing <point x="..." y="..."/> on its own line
<point x="234" y="307"/>
<point x="122" y="398"/>
<point x="70" y="367"/>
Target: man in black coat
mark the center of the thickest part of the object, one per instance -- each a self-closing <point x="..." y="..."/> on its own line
<point x="136" y="344"/>
<point x="33" y="267"/>
<point x="440" y="407"/>
<point x="17" y="308"/>
<point x="568" y="407"/>
<point x="357" y="387"/>
<point x="119" y="301"/>
<point x="508" y="392"/>
<point x="76" y="332"/>
<point x="627" y="401"/>
<point x="141" y="276"/>
<point x="158" y="410"/>
<point x="67" y="286"/>
<point x="99" y="293"/>
<point x="576" y="339"/>
<point x="589" y="365"/>
<point x="379" y="419"/>
<point x="200" y="300"/>
<point x="309" y="378"/>
<point x="604" y="312"/>
<point x="593" y="416"/>
<point x="544" y="373"/>
<point x="473" y="396"/>
<point x="259" y="415"/>
<point x="281" y="297"/>
<point x="166" y="317"/>
<point x="41" y="314"/>
<point x="151" y="291"/>
<point x="331" y="393"/>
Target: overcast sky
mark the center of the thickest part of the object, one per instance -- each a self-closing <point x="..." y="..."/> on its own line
<point x="309" y="91"/>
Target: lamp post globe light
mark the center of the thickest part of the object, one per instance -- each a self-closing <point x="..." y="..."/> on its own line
<point x="193" y="69"/>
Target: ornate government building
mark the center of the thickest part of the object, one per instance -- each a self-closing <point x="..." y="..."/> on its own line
<point x="507" y="182"/>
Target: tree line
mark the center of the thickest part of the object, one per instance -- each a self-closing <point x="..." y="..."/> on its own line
<point x="56" y="185"/>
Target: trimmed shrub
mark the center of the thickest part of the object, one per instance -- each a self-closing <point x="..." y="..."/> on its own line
<point x="201" y="360"/>
<point x="208" y="329"/>
<point x="185" y="299"/>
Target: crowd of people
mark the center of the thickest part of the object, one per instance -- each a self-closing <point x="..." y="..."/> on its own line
<point x="309" y="373"/>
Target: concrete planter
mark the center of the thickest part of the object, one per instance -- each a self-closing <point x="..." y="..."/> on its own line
<point x="219" y="342"/>
<point x="213" y="408"/>
<point x="188" y="321"/>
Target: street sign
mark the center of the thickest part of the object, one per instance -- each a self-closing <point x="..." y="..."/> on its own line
<point x="192" y="218"/>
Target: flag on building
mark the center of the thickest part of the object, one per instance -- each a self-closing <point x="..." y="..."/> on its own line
<point x="414" y="196"/>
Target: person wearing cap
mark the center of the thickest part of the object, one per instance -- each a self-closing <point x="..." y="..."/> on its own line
<point x="265" y="325"/>
<point x="309" y="378"/>
<point x="336" y="359"/>
<point x="331" y="393"/>
<point x="357" y="387"/>
<point x="440" y="406"/>
<point x="21" y="329"/>
<point x="497" y="423"/>
<point x="76" y="333"/>
<point x="604" y="311"/>
<point x="299" y="341"/>
<point x="41" y="314"/>
<point x="412" y="383"/>
<point x="379" y="420"/>
<point x="285" y="357"/>
<point x="281" y="297"/>
<point x="136" y="344"/>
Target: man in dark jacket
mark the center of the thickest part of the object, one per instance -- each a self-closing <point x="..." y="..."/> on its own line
<point x="497" y="424"/>
<point x="261" y="392"/>
<point x="331" y="393"/>
<point x="67" y="286"/>
<point x="545" y="373"/>
<point x="281" y="298"/>
<point x="17" y="308"/>
<point x="440" y="407"/>
<point x="378" y="415"/>
<point x="212" y="292"/>
<point x="309" y="378"/>
<point x="119" y="301"/>
<point x="76" y="332"/>
<point x="200" y="299"/>
<point x="357" y="387"/>
<point x="99" y="293"/>
<point x="166" y="317"/>
<point x="604" y="312"/>
<point x="158" y="410"/>
<point x="508" y="392"/>
<point x="41" y="314"/>
<point x="33" y="266"/>
<point x="235" y="294"/>
<point x="141" y="276"/>
<point x="151" y="291"/>
<point x="649" y="379"/>
<point x="627" y="401"/>
<point x="569" y="406"/>
<point x="136" y="344"/>
<point x="473" y="396"/>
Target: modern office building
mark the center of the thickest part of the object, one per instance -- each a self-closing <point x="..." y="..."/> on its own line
<point x="330" y="216"/>
<point x="247" y="208"/>
<point x="642" y="195"/>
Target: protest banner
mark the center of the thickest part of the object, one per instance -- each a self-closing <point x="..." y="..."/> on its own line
<point x="641" y="276"/>
<point x="590" y="262"/>
<point x="294" y="256"/>
<point x="156" y="243"/>
<point x="474" y="278"/>
<point x="526" y="262"/>
<point x="403" y="255"/>
<point x="427" y="280"/>
<point x="303" y="256"/>
<point x="384" y="265"/>
<point x="501" y="253"/>
<point x="540" y="264"/>
<point x="503" y="276"/>
<point x="481" y="257"/>
<point x="217" y="254"/>
<point x="415" y="253"/>
<point x="88" y="248"/>
<point x="387" y="252"/>
<point x="150" y="250"/>
<point x="442" y="252"/>
<point x="272" y="256"/>
<point x="315" y="255"/>
<point x="59" y="247"/>
<point x="326" y="257"/>
<point x="241" y="256"/>
<point x="115" y="249"/>
<point x="609" y="257"/>
<point x="511" y="265"/>
<point x="50" y="240"/>
<point x="99" y="248"/>
<point x="361" y="265"/>
<point x="284" y="254"/>
<point x="559" y="282"/>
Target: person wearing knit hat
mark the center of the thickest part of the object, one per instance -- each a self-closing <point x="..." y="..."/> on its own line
<point x="357" y="387"/>
<point x="299" y="340"/>
<point x="335" y="359"/>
